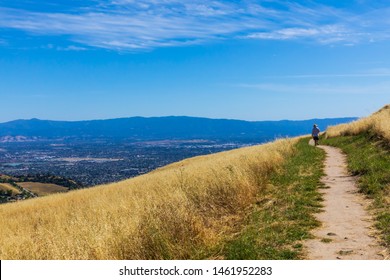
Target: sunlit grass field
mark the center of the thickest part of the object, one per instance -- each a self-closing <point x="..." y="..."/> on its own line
<point x="9" y="187"/>
<point x="181" y="211"/>
<point x="42" y="189"/>
<point x="278" y="223"/>
<point x="377" y="124"/>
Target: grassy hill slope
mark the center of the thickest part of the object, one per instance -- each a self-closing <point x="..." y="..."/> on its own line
<point x="186" y="210"/>
<point x="169" y="213"/>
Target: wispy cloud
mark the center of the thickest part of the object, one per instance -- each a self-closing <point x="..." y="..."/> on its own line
<point x="147" y="24"/>
<point x="373" y="73"/>
<point x="321" y="89"/>
<point x="323" y="34"/>
<point x="67" y="48"/>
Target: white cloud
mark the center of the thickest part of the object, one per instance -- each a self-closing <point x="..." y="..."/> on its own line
<point x="280" y="88"/>
<point x="123" y="31"/>
<point x="71" y="48"/>
<point x="284" y="34"/>
<point x="147" y="24"/>
<point x="371" y="73"/>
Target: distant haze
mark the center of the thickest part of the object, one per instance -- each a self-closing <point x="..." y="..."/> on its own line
<point x="159" y="128"/>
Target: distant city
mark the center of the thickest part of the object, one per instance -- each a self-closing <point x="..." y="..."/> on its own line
<point x="92" y="163"/>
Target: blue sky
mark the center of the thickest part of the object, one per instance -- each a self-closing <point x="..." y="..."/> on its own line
<point x="250" y="60"/>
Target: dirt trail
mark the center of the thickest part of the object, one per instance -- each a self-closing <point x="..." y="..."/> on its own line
<point x="347" y="228"/>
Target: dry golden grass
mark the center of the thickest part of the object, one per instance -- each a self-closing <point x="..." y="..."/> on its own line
<point x="378" y="123"/>
<point x="42" y="189"/>
<point x="6" y="187"/>
<point x="172" y="213"/>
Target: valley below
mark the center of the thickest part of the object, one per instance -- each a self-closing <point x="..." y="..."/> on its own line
<point x="96" y="162"/>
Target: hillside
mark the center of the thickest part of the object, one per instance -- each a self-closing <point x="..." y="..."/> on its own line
<point x="157" y="128"/>
<point x="184" y="210"/>
<point x="251" y="203"/>
<point x="377" y="125"/>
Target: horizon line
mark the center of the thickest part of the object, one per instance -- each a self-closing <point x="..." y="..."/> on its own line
<point x="175" y="116"/>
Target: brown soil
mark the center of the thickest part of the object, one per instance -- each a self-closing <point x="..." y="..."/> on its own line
<point x="347" y="228"/>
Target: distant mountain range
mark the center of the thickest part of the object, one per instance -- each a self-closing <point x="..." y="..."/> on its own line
<point x="159" y="128"/>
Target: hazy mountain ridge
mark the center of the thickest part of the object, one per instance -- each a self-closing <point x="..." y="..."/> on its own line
<point x="158" y="128"/>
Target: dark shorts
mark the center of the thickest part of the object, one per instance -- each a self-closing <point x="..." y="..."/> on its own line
<point x="316" y="138"/>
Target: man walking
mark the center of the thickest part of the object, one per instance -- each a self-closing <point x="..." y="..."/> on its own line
<point x="315" y="132"/>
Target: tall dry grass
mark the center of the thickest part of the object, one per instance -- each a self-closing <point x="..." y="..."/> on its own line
<point x="175" y="212"/>
<point x="378" y="124"/>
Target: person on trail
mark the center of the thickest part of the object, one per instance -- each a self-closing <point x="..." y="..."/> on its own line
<point x="315" y="132"/>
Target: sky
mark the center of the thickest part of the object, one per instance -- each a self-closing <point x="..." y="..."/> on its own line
<point x="248" y="60"/>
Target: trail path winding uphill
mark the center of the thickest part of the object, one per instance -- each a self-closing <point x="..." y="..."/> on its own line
<point x="347" y="228"/>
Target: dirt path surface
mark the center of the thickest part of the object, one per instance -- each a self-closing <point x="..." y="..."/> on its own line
<point x="347" y="228"/>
